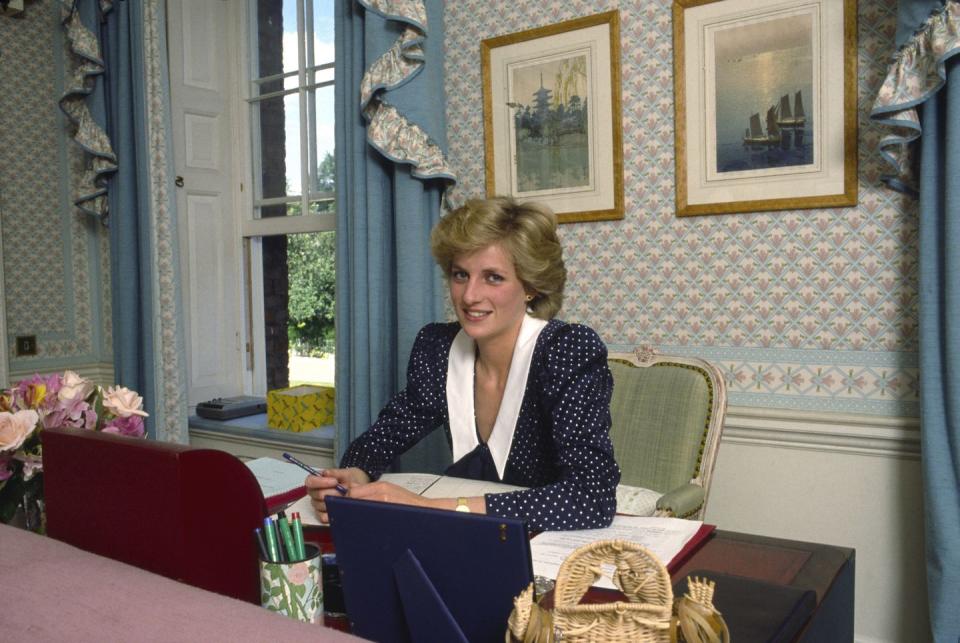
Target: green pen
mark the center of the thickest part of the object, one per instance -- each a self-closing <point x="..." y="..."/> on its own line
<point x="287" y="536"/>
<point x="298" y="536"/>
<point x="270" y="533"/>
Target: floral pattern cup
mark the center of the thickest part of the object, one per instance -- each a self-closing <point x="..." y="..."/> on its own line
<point x="294" y="589"/>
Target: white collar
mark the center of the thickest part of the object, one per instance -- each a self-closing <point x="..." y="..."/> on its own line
<point x="460" y="388"/>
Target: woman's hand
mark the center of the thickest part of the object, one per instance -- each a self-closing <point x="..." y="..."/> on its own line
<point x="326" y="484"/>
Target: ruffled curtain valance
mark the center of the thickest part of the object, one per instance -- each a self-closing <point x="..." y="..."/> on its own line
<point x="390" y="131"/>
<point x="916" y="73"/>
<point x="100" y="161"/>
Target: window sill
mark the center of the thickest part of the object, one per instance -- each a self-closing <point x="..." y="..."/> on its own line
<point x="249" y="437"/>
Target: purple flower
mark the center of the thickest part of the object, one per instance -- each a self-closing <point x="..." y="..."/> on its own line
<point x="5" y="469"/>
<point x="76" y="414"/>
<point x="36" y="392"/>
<point x="130" y="426"/>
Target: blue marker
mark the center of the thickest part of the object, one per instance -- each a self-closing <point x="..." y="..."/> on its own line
<point x="306" y="467"/>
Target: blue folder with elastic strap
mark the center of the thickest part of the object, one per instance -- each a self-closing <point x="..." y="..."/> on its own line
<point x="414" y="574"/>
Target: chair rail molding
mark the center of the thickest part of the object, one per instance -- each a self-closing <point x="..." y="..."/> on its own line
<point x="861" y="434"/>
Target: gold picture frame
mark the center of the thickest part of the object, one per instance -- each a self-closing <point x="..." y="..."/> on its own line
<point x="765" y="105"/>
<point x="551" y="117"/>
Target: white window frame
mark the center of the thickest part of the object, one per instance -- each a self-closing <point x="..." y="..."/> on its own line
<point x="252" y="228"/>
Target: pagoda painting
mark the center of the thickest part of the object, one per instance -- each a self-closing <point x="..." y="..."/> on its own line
<point x="550" y="104"/>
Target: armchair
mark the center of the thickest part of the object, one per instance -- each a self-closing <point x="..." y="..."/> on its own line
<point x="667" y="418"/>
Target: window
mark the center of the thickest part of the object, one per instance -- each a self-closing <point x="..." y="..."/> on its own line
<point x="289" y="235"/>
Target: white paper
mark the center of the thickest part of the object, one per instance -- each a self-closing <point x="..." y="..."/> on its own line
<point x="664" y="537"/>
<point x="276" y="476"/>
<point x="415" y="482"/>
<point x="428" y="485"/>
<point x="307" y="515"/>
<point x="450" y="487"/>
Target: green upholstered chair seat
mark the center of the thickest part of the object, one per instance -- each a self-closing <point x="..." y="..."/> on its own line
<point x="667" y="415"/>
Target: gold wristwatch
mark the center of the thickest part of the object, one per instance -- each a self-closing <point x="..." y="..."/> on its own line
<point x="462" y="505"/>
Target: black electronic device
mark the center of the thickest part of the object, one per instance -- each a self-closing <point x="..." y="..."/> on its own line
<point x="226" y="408"/>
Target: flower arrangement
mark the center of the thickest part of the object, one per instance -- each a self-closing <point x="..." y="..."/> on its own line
<point x="43" y="402"/>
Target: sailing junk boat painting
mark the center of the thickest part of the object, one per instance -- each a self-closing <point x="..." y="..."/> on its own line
<point x="764" y="77"/>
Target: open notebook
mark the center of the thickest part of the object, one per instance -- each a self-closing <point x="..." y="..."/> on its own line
<point x="280" y="481"/>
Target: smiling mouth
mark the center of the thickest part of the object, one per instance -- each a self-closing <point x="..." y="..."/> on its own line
<point x="474" y="314"/>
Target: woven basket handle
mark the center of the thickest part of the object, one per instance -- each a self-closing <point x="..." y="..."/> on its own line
<point x="637" y="573"/>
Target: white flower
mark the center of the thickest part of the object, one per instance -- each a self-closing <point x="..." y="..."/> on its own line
<point x="16" y="427"/>
<point x="74" y="387"/>
<point x="123" y="402"/>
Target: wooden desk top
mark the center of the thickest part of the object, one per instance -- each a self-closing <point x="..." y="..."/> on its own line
<point x="774" y="560"/>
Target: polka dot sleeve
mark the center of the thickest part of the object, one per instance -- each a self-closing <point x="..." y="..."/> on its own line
<point x="562" y="448"/>
<point x="413" y="412"/>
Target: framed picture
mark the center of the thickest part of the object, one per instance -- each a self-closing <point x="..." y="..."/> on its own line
<point x="551" y="116"/>
<point x="765" y="95"/>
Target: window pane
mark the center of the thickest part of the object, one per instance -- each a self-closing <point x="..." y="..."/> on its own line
<point x="322" y="32"/>
<point x="321" y="139"/>
<point x="298" y="280"/>
<point x="279" y="146"/>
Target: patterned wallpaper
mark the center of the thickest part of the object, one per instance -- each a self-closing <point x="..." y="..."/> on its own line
<point x="54" y="267"/>
<point x="807" y="309"/>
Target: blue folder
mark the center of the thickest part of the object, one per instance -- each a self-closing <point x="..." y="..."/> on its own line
<point x="413" y="574"/>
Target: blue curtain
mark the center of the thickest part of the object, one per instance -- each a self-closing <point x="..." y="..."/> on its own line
<point x="147" y="322"/>
<point x="388" y="199"/>
<point x="940" y="349"/>
<point x="923" y="110"/>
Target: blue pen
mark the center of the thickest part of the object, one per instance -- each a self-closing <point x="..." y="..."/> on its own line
<point x="306" y="467"/>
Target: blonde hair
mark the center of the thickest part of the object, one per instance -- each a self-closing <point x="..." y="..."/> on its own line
<point x="527" y="231"/>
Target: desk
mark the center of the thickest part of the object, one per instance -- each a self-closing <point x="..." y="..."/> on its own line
<point x="826" y="569"/>
<point x="52" y="591"/>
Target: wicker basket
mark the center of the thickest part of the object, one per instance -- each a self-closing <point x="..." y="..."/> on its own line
<point x="645" y="618"/>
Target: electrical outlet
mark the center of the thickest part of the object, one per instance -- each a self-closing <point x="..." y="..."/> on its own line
<point x="26" y="345"/>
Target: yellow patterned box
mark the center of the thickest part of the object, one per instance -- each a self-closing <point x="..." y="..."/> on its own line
<point x="300" y="408"/>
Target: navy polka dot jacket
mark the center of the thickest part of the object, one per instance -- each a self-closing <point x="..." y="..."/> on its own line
<point x="561" y="447"/>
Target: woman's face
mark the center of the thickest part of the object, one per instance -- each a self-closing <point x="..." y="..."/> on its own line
<point x="489" y="298"/>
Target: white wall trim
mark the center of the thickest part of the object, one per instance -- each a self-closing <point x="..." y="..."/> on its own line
<point x="820" y="431"/>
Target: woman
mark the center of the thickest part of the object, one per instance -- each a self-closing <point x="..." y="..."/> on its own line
<point x="526" y="397"/>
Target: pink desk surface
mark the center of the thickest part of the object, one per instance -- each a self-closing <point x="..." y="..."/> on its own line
<point x="52" y="591"/>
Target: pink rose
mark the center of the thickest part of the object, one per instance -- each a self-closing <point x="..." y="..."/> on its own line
<point x="123" y="402"/>
<point x="16" y="427"/>
<point x="298" y="573"/>
<point x="74" y="387"/>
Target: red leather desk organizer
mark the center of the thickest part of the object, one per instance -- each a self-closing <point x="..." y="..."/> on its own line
<point x="185" y="513"/>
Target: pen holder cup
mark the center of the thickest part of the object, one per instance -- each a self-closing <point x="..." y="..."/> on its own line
<point x="294" y="589"/>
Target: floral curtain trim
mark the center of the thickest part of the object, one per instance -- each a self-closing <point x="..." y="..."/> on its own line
<point x="401" y="141"/>
<point x="916" y="73"/>
<point x="101" y="160"/>
<point x="388" y="131"/>
<point x="170" y="412"/>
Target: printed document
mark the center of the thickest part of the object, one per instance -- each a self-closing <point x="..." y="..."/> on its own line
<point x="276" y="476"/>
<point x="428" y="485"/>
<point x="664" y="537"/>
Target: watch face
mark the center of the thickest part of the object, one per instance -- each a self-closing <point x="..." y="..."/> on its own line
<point x="462" y="505"/>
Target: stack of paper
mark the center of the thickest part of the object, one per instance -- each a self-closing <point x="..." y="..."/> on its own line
<point x="664" y="537"/>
